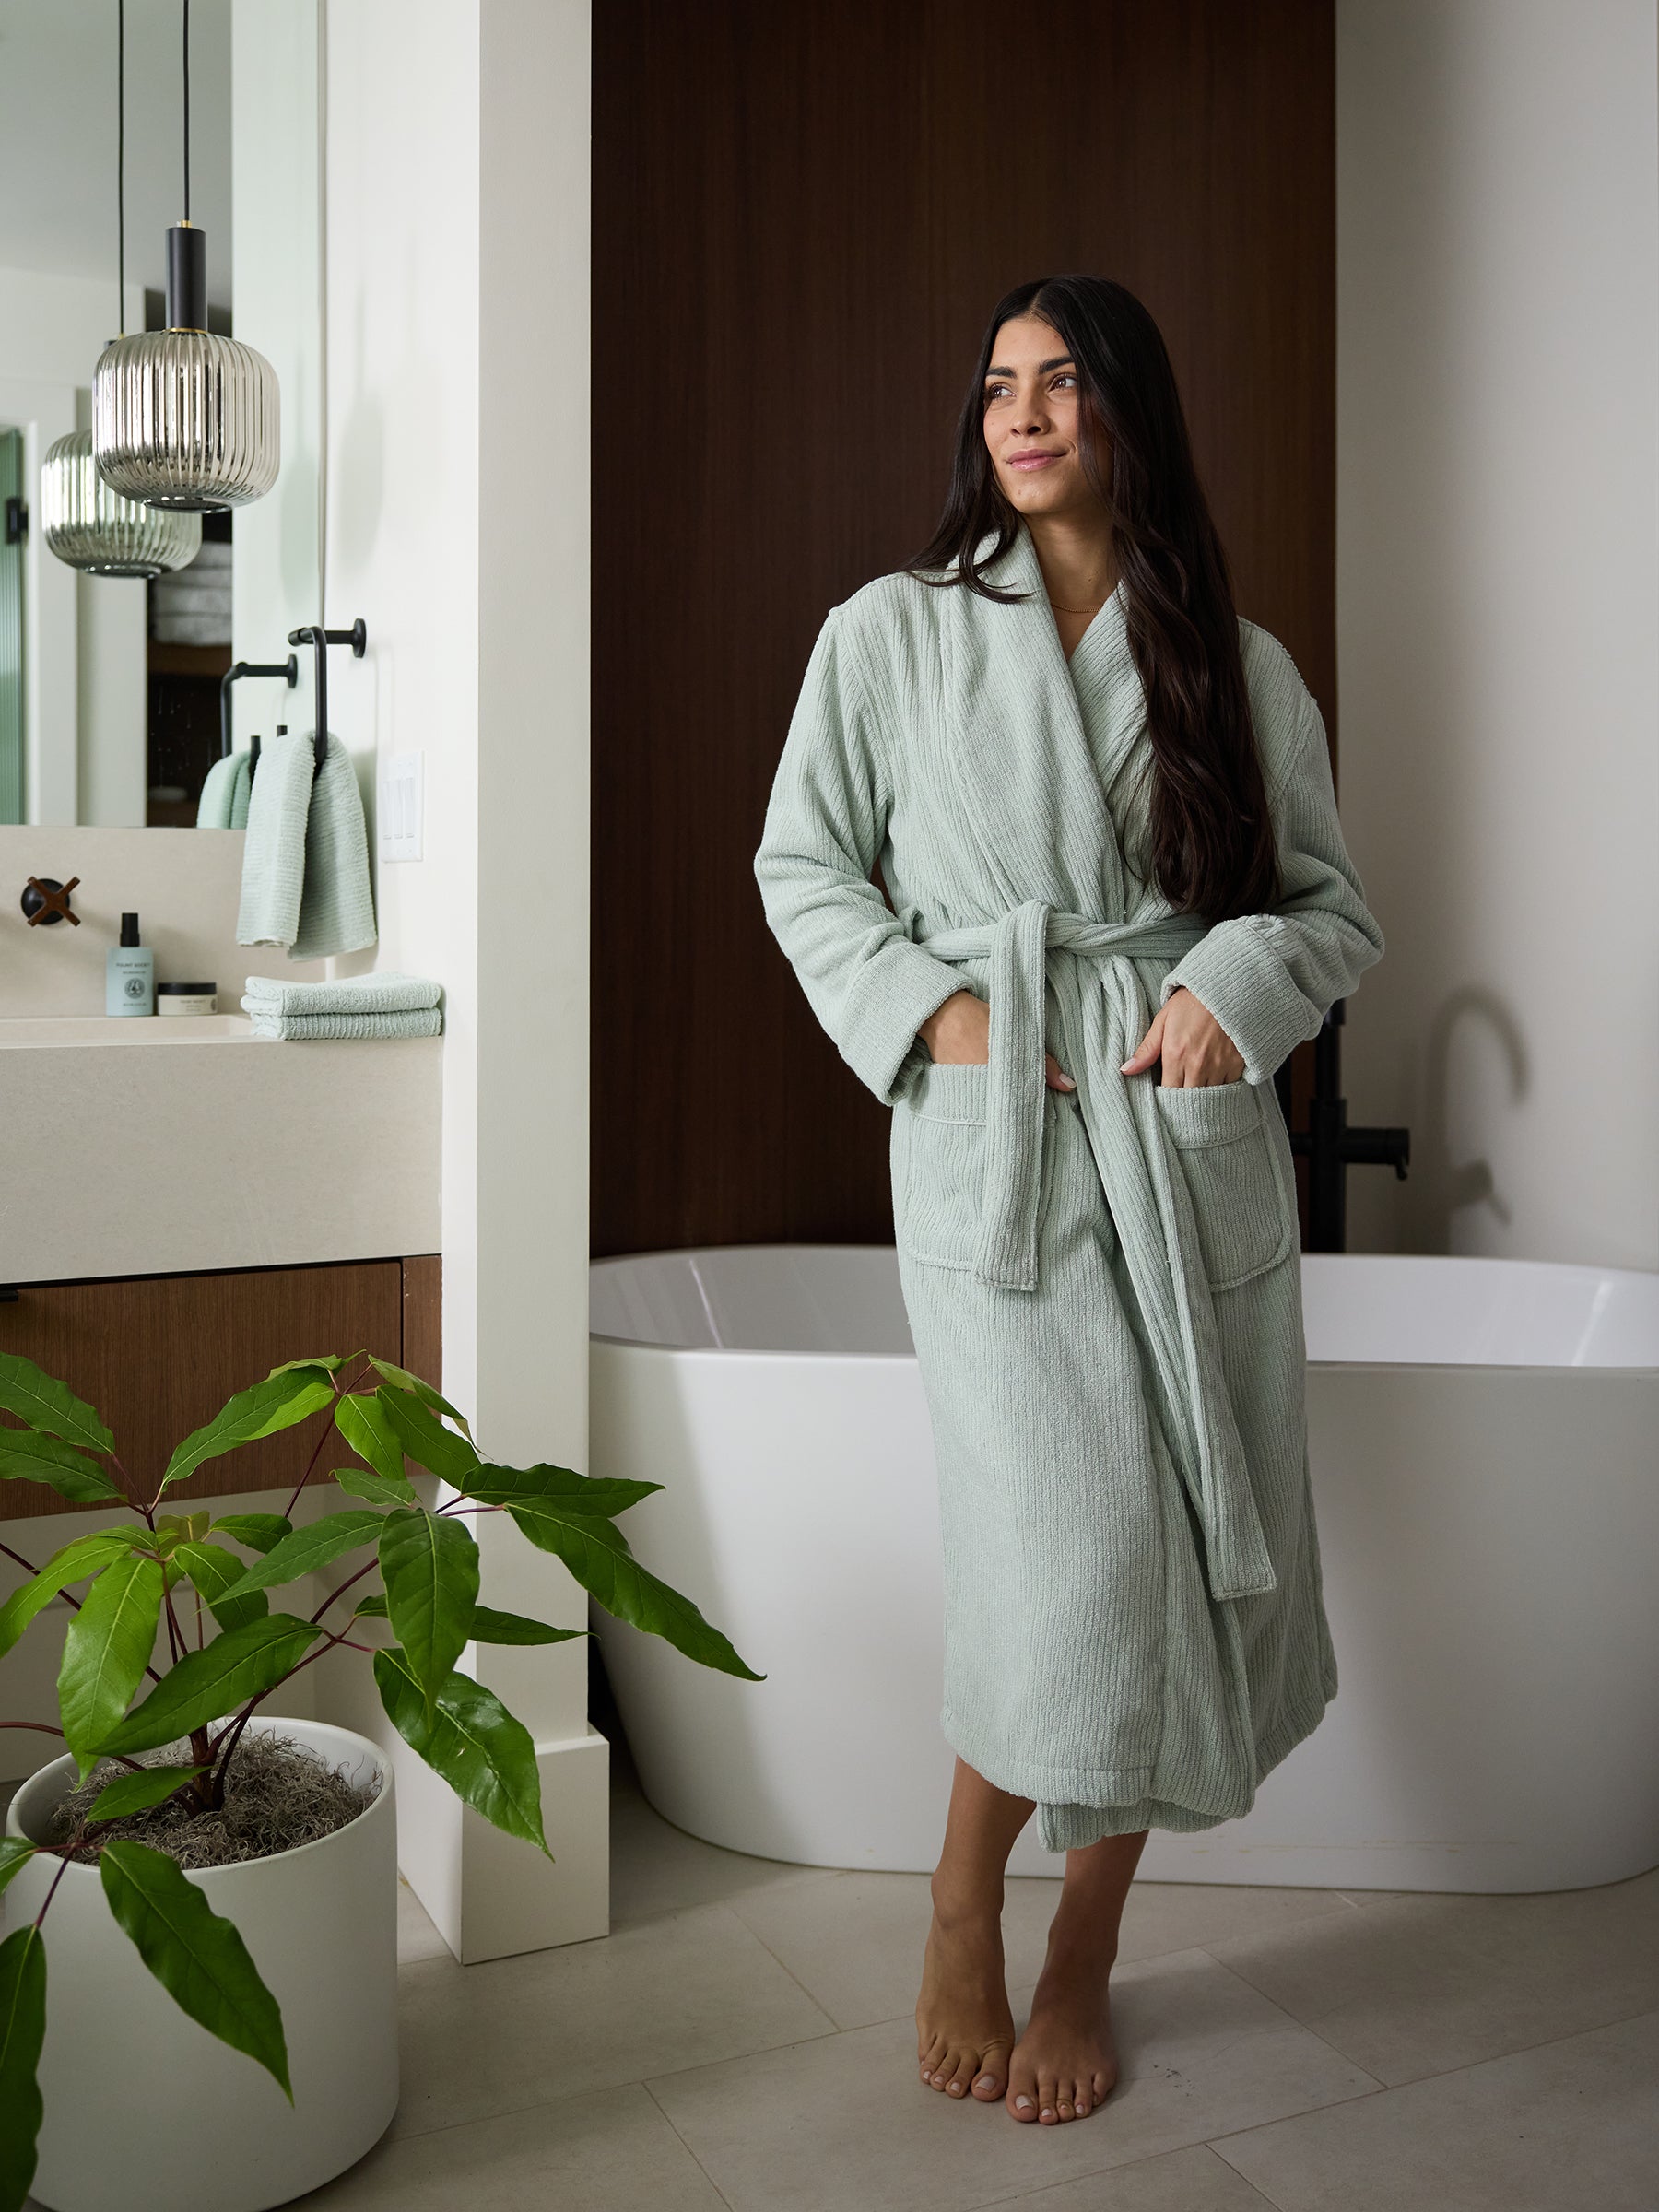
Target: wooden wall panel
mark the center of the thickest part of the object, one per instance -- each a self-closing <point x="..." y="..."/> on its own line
<point x="157" y="1355"/>
<point x="801" y="216"/>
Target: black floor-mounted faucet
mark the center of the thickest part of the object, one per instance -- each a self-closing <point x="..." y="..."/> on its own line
<point x="1330" y="1146"/>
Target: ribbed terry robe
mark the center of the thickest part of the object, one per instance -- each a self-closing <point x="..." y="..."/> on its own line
<point x="1104" y="1285"/>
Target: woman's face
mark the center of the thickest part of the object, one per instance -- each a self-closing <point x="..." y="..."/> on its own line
<point x="1031" y="420"/>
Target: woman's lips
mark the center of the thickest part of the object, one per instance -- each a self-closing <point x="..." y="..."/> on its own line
<point x="1032" y="460"/>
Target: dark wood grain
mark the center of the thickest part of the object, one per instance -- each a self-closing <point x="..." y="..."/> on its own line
<point x="157" y="1355"/>
<point x="801" y="216"/>
<point x="423" y="1317"/>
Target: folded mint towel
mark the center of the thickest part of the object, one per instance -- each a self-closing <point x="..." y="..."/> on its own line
<point x="414" y="1021"/>
<point x="382" y="992"/>
<point x="305" y="866"/>
<point x="224" y="801"/>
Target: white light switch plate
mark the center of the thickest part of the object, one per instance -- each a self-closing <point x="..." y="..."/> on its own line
<point x="399" y="810"/>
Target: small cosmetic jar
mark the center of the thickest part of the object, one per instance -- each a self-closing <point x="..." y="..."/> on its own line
<point x="186" y="998"/>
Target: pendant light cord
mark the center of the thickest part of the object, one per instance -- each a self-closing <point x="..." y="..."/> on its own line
<point x="187" y="110"/>
<point x="121" y="167"/>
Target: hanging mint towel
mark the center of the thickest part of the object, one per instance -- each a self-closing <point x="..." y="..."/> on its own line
<point x="273" y="876"/>
<point x="224" y="801"/>
<point x="336" y="913"/>
<point x="415" y="1021"/>
<point x="305" y="867"/>
<point x="382" y="992"/>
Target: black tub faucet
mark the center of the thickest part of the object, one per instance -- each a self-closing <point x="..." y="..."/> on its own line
<point x="1328" y="1144"/>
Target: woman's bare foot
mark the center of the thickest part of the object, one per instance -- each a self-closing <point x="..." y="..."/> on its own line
<point x="1066" y="2063"/>
<point x="964" y="2024"/>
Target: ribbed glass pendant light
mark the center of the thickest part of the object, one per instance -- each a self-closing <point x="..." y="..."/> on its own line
<point x="84" y="523"/>
<point x="181" y="419"/>
<point x="93" y="528"/>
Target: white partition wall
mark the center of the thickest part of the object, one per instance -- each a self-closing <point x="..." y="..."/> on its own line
<point x="1498" y="616"/>
<point x="458" y="241"/>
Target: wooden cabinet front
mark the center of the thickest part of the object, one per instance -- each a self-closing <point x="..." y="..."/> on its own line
<point x="158" y="1355"/>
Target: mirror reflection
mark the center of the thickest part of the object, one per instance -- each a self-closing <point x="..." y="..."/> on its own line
<point x="118" y="615"/>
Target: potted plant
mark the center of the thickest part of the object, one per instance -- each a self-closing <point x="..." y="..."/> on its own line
<point x="285" y="1954"/>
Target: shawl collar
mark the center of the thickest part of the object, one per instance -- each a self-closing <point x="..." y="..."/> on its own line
<point x="1015" y="714"/>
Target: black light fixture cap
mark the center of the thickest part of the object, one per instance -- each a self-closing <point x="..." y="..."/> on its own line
<point x="186" y="277"/>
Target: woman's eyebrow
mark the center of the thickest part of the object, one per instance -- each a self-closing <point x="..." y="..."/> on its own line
<point x="1061" y="361"/>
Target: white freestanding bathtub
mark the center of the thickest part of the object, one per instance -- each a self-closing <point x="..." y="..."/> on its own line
<point x="1485" y="1447"/>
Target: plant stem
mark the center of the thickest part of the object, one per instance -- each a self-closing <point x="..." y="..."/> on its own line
<point x="342" y="1590"/>
<point x="328" y="1411"/>
<point x="201" y="1756"/>
<point x="175" y="1635"/>
<point x="232" y="1734"/>
<point x="44" y="1727"/>
<point x="50" y="1893"/>
<point x="17" y="1556"/>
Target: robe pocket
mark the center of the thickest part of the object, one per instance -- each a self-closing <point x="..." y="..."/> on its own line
<point x="1245" y="1224"/>
<point x="939" y="1163"/>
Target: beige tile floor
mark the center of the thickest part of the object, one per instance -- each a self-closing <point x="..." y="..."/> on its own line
<point x="743" y="2038"/>
<point x="742" y="2042"/>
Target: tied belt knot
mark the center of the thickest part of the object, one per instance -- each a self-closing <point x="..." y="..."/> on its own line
<point x="1152" y="1218"/>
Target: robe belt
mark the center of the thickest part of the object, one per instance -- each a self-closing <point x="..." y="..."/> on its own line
<point x="1151" y="1209"/>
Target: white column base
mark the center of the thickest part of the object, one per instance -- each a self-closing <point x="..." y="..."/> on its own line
<point x="512" y="1898"/>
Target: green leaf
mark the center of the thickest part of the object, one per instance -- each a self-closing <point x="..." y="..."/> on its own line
<point x="430" y="1568"/>
<point x="372" y="1608"/>
<point x="83" y="1556"/>
<point x="367" y="1429"/>
<point x="45" y="1402"/>
<point x="472" y="1741"/>
<point x="197" y="1955"/>
<point x="259" y="1532"/>
<point x="27" y="1455"/>
<point x="313" y="1546"/>
<point x="278" y="1403"/>
<point x="401" y="1379"/>
<point x="105" y="1653"/>
<point x="428" y="1442"/>
<point x="242" y="1664"/>
<point x="136" y="1792"/>
<point x="180" y="1528"/>
<point x="15" y="1854"/>
<point x="329" y="1362"/>
<point x="22" y="2031"/>
<point x="361" y="1482"/>
<point x="597" y="1554"/>
<point x="214" y="1574"/>
<point x="596" y="1494"/>
<point x="490" y="1627"/>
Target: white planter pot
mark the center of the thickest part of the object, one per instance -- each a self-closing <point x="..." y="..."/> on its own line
<point x="146" y="2111"/>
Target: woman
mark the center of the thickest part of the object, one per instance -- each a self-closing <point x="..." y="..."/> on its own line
<point x="1103" y="810"/>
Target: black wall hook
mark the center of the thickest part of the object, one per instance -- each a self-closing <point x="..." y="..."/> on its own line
<point x="313" y="634"/>
<point x="290" y="669"/>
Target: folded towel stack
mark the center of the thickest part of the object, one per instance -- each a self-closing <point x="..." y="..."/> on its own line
<point x="355" y="1005"/>
<point x="305" y="865"/>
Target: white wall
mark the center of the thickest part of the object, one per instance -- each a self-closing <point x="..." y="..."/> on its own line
<point x="1498" y="603"/>
<point x="457" y="224"/>
<point x="276" y="577"/>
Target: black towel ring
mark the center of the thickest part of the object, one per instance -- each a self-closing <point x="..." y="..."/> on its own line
<point x="288" y="669"/>
<point x="313" y="634"/>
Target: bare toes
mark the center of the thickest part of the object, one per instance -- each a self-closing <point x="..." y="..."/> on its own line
<point x="992" y="2080"/>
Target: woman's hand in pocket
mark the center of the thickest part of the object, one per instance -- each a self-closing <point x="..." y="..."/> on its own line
<point x="959" y="1034"/>
<point x="1195" y="1050"/>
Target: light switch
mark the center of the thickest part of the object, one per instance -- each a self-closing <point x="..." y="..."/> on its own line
<point x="399" y="810"/>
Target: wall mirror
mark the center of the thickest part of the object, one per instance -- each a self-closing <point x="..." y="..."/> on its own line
<point x="110" y="688"/>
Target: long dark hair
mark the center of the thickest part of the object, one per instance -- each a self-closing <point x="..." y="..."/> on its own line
<point x="1210" y="846"/>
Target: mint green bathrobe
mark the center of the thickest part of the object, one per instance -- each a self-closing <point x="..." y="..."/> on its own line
<point x="1104" y="1286"/>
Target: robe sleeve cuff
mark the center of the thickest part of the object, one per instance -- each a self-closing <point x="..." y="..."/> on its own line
<point x="891" y="995"/>
<point x="1236" y="975"/>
